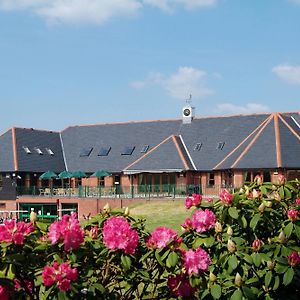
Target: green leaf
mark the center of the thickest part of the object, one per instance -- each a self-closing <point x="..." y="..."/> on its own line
<point x="249" y="294"/>
<point x="248" y="258"/>
<point x="276" y="283"/>
<point x="288" y="194"/>
<point x="281" y="192"/>
<point x="288" y="276"/>
<point x="99" y="287"/>
<point x="279" y="268"/>
<point x="256" y="259"/>
<point x="244" y="222"/>
<point x="158" y="257"/>
<point x="268" y="278"/>
<point x="297" y="230"/>
<point x="216" y="291"/>
<point x="42" y="226"/>
<point x="255" y="220"/>
<point x="233" y="212"/>
<point x="263" y="190"/>
<point x="62" y="296"/>
<point x="237" y="295"/>
<point x="126" y="262"/>
<point x="172" y="259"/>
<point x="288" y="229"/>
<point x="233" y="262"/>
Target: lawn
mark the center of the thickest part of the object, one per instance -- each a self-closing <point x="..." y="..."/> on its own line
<point x="161" y="213"/>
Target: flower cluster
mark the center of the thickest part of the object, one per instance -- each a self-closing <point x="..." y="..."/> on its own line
<point x="67" y="230"/>
<point x="292" y="214"/>
<point x="180" y="286"/>
<point x="4" y="294"/>
<point x="118" y="234"/>
<point x="294" y="258"/>
<point x="257" y="244"/>
<point x="203" y="220"/>
<point x="226" y="197"/>
<point x="12" y="231"/>
<point x="193" y="200"/>
<point x="62" y="274"/>
<point x="196" y="261"/>
<point x="161" y="237"/>
<point x="297" y="201"/>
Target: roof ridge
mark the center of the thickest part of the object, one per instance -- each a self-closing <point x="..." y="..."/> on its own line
<point x="289" y="127"/>
<point x="253" y="141"/>
<point x="277" y="140"/>
<point x="34" y="129"/>
<point x="149" y="152"/>
<point x="184" y="160"/>
<point x="14" y="144"/>
<point x="241" y="143"/>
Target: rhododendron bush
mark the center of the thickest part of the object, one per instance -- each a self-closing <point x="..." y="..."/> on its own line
<point x="244" y="245"/>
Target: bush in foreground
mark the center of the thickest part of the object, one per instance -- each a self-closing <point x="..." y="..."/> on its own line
<point x="243" y="246"/>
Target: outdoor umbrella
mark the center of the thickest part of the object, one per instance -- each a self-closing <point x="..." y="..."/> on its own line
<point x="48" y="175"/>
<point x="78" y="174"/>
<point x="65" y="175"/>
<point x="101" y="173"/>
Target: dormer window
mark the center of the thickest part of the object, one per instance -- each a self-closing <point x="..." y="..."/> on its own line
<point x="128" y="150"/>
<point x="26" y="149"/>
<point x="49" y="151"/>
<point x="38" y="151"/>
<point x="85" y="152"/>
<point x="220" y="145"/>
<point x="198" y="147"/>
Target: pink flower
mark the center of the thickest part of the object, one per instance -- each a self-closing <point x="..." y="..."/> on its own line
<point x="62" y="274"/>
<point x="161" y="237"/>
<point x="294" y="258"/>
<point x="281" y="179"/>
<point x="203" y="220"/>
<point x="67" y="230"/>
<point x="258" y="179"/>
<point x="254" y="194"/>
<point x="187" y="224"/>
<point x="4" y="293"/>
<point x="257" y="244"/>
<point x="11" y="231"/>
<point x="118" y="234"/>
<point x="180" y="286"/>
<point x="292" y="214"/>
<point x="226" y="197"/>
<point x="29" y="284"/>
<point x="297" y="201"/>
<point x="193" y="200"/>
<point x="196" y="261"/>
<point x="94" y="232"/>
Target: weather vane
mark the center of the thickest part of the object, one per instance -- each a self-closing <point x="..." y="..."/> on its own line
<point x="189" y="100"/>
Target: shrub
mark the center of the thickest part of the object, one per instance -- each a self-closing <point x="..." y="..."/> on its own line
<point x="243" y="246"/>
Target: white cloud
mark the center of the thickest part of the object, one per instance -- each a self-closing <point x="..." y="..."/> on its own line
<point x="249" y="108"/>
<point x="288" y="73"/>
<point x="295" y="1"/>
<point x="75" y="11"/>
<point x="95" y="11"/>
<point x="185" y="81"/>
<point x="170" y="5"/>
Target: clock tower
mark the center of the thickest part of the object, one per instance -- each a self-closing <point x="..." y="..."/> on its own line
<point x="188" y="112"/>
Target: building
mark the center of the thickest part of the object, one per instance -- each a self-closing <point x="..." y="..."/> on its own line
<point x="154" y="157"/>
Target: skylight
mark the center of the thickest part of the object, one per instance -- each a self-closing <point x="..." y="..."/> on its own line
<point x="128" y="150"/>
<point x="26" y="149"/>
<point x="220" y="145"/>
<point x="38" y="151"/>
<point x="145" y="148"/>
<point x="49" y="151"/>
<point x="198" y="147"/>
<point x="85" y="152"/>
<point x="104" y="151"/>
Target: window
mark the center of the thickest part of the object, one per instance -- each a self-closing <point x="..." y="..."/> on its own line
<point x="85" y="152"/>
<point x="220" y="145"/>
<point x="198" y="147"/>
<point x="49" y="151"/>
<point x="104" y="151"/>
<point x="38" y="150"/>
<point x="26" y="149"/>
<point x="145" y="148"/>
<point x="210" y="179"/>
<point x="128" y="150"/>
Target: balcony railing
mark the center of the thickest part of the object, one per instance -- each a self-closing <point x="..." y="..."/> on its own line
<point x="134" y="191"/>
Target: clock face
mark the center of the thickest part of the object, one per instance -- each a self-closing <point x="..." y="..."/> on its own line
<point x="186" y="112"/>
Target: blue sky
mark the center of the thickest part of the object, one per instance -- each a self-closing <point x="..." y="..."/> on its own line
<point x="68" y="62"/>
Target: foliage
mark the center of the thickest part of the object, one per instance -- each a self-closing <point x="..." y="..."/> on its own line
<point x="243" y="246"/>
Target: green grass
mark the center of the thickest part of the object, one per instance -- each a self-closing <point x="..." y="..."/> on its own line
<point x="167" y="213"/>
